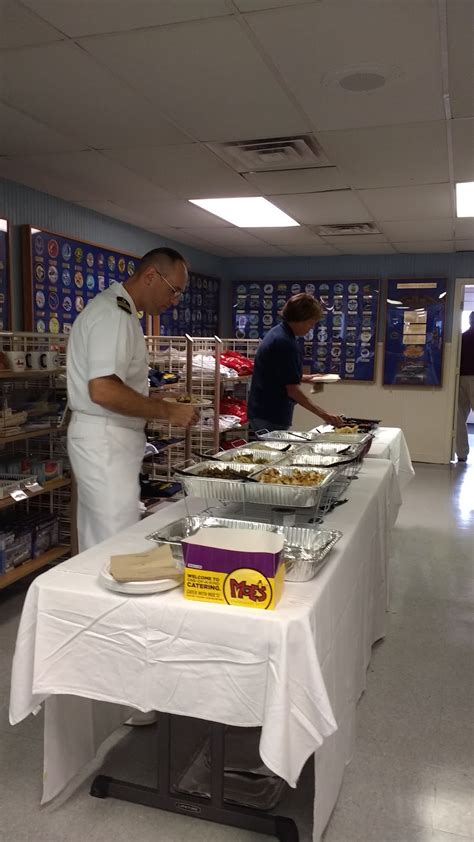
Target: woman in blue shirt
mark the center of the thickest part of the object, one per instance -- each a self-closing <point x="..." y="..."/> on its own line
<point x="278" y="370"/>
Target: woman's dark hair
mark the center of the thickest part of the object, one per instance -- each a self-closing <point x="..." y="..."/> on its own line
<point x="302" y="307"/>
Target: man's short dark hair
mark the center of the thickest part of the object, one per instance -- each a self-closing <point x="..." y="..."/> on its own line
<point x="301" y="308"/>
<point x="150" y="258"/>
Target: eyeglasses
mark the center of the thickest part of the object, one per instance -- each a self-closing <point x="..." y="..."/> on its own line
<point x="177" y="293"/>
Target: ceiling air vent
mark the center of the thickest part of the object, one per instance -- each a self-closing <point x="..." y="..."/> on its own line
<point x="352" y="228"/>
<point x="274" y="153"/>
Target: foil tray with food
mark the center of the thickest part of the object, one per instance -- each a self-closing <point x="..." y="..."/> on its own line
<point x="217" y="480"/>
<point x="349" y="463"/>
<point x="305" y="550"/>
<point x="287" y="436"/>
<point x="289" y="486"/>
<point x="250" y="456"/>
<point x="364" y="440"/>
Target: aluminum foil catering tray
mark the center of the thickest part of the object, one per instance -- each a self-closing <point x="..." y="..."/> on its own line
<point x="293" y="436"/>
<point x="308" y="458"/>
<point x="276" y="494"/>
<point x="361" y="439"/>
<point x="304" y="552"/>
<point x="273" y="444"/>
<point x="227" y="490"/>
<point x="253" y="454"/>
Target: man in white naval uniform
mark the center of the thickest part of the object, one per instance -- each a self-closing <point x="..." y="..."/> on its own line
<point x="107" y="380"/>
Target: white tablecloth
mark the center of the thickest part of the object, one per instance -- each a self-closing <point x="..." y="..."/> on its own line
<point x="390" y="443"/>
<point x="295" y="671"/>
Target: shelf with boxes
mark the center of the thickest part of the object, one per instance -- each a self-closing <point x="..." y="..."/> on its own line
<point x="35" y="486"/>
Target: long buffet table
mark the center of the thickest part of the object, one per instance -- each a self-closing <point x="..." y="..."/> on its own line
<point x="297" y="671"/>
<point x="390" y="443"/>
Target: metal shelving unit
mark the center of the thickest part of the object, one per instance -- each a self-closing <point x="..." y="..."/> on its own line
<point x="30" y="398"/>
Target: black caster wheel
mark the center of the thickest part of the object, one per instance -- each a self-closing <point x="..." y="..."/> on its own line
<point x="100" y="786"/>
<point x="286" y="830"/>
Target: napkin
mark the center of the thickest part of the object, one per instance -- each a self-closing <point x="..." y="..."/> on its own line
<point x="151" y="565"/>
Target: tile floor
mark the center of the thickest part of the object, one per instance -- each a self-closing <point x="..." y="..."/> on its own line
<point x="412" y="775"/>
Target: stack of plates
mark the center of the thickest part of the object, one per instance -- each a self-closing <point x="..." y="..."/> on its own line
<point x="135" y="588"/>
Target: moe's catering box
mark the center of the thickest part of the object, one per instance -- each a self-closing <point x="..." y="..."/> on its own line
<point x="234" y="567"/>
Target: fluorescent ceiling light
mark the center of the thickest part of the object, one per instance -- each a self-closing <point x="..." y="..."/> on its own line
<point x="465" y="198"/>
<point x="254" y="212"/>
<point x="3" y="225"/>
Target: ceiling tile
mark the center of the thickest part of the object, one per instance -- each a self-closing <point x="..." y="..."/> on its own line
<point x="187" y="170"/>
<point x="464" y="228"/>
<point x="365" y="247"/>
<point x="310" y="180"/>
<point x="182" y="236"/>
<point x="390" y="156"/>
<point x="440" y="246"/>
<point x="311" y="250"/>
<point x="355" y="239"/>
<point x="340" y="206"/>
<point x="428" y="201"/>
<point x="180" y="214"/>
<point x="79" y="176"/>
<point x="22" y="135"/>
<point x="465" y="245"/>
<point x="258" y="5"/>
<point x="238" y="241"/>
<point x="463" y="147"/>
<point x="461" y="56"/>
<point x="230" y="236"/>
<point x="66" y="89"/>
<point x="90" y="17"/>
<point x="208" y="94"/>
<point x="418" y="230"/>
<point x="20" y="27"/>
<point x="313" y="42"/>
<point x="286" y="236"/>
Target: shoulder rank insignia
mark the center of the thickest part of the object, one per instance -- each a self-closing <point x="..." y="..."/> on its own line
<point x="123" y="304"/>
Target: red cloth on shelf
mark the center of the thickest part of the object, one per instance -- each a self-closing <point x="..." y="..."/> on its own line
<point x="242" y="365"/>
<point x="234" y="406"/>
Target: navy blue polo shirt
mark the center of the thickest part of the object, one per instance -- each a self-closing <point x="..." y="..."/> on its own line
<point x="278" y="364"/>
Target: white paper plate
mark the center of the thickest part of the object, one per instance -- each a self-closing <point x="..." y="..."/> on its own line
<point x="326" y="378"/>
<point x="135" y="588"/>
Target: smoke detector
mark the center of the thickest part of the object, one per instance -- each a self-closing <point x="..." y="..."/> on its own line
<point x="352" y="228"/>
<point x="361" y="78"/>
<point x="274" y="153"/>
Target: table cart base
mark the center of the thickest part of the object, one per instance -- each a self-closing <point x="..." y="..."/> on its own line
<point x="212" y="809"/>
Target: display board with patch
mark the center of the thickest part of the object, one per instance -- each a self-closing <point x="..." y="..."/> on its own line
<point x="414" y="332"/>
<point x="197" y="312"/>
<point x="5" y="292"/>
<point x="342" y="343"/>
<point x="61" y="274"/>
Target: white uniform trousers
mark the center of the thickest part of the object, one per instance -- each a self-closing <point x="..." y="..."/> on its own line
<point x="465" y="404"/>
<point x="106" y="461"/>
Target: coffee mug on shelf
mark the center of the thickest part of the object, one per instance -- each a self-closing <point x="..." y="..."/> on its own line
<point x="33" y="360"/>
<point x="50" y="359"/>
<point x="16" y="360"/>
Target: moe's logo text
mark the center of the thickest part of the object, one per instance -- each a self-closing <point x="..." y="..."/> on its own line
<point x="241" y="590"/>
<point x="249" y="587"/>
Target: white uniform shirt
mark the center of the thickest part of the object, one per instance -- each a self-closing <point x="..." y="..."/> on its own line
<point x="106" y="339"/>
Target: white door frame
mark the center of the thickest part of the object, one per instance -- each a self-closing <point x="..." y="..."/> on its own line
<point x="461" y="284"/>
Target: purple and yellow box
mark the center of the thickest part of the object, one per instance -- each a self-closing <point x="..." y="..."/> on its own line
<point x="234" y="567"/>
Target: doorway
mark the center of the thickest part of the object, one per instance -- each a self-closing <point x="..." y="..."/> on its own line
<point x="466" y="308"/>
